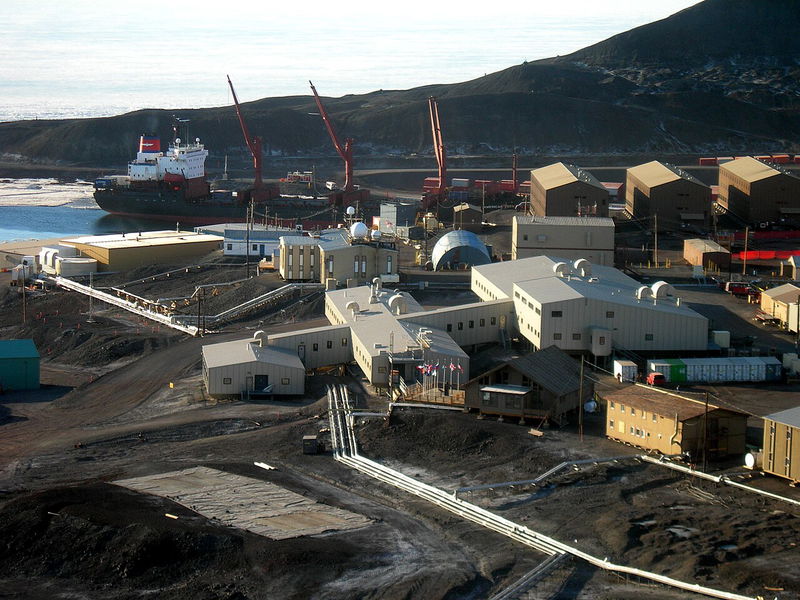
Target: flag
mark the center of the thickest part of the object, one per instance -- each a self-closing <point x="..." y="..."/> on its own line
<point x="452" y="366"/>
<point x="460" y="368"/>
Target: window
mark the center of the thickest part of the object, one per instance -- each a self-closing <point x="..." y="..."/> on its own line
<point x="363" y="265"/>
<point x="330" y="266"/>
<point x="355" y="266"/>
<point x="602" y="340"/>
<point x="482" y="323"/>
<point x="555" y="314"/>
<point x="648" y="337"/>
<point x="471" y="324"/>
<point x="381" y="369"/>
<point x="301" y="259"/>
<point x="633" y="411"/>
<point x="493" y="321"/>
<point x="460" y="325"/>
<point x="516" y="294"/>
<point x="556" y="336"/>
<point x="344" y="341"/>
<point x="230" y="246"/>
<point x="449" y="327"/>
<point x="329" y="344"/>
<point x="622" y="408"/>
<point x="389" y="264"/>
<point x="611" y="424"/>
<point x="525" y="237"/>
<point x="611" y="405"/>
<point x="255" y="247"/>
<point x="284" y="381"/>
<point x="576" y="336"/>
<point x="514" y="402"/>
<point x="290" y="257"/>
<point x="609" y="314"/>
<point x="632" y="431"/>
<point x="315" y="347"/>
<point x="655" y="417"/>
<point x="226" y="381"/>
<point x="538" y="310"/>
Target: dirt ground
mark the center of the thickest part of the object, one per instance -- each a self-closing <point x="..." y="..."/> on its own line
<point x="107" y="412"/>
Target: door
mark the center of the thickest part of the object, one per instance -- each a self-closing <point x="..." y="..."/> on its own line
<point x="261" y="249"/>
<point x="248" y="383"/>
<point x="260" y="383"/>
<point x="301" y="352"/>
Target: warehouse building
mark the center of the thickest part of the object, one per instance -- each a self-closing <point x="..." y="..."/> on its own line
<point x="122" y="252"/>
<point x="467" y="217"/>
<point x="580" y="307"/>
<point x="781" y="455"/>
<point x="19" y="365"/>
<point x="758" y="192"/>
<point x="397" y="214"/>
<point x="358" y="254"/>
<point x="591" y="238"/>
<point x="657" y="188"/>
<point x="541" y="385"/>
<point x="778" y="302"/>
<point x="250" y="367"/>
<point x="561" y="190"/>
<point x="652" y="420"/>
<point x="707" y="254"/>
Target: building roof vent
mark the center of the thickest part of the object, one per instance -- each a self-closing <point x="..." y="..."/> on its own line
<point x="661" y="289"/>
<point x="352" y="306"/>
<point x="561" y="269"/>
<point x="644" y="292"/>
<point x="583" y="267"/>
<point x="397" y="304"/>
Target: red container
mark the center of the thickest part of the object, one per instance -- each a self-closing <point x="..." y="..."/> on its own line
<point x="780" y="159"/>
<point x="708" y="162"/>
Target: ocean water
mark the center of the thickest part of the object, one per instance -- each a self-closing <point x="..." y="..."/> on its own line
<point x="84" y="59"/>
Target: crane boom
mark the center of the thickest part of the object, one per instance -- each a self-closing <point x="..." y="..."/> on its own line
<point x="347" y="152"/>
<point x="438" y="143"/>
<point x="253" y="143"/>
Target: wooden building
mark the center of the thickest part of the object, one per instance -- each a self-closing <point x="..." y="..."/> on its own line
<point x="562" y="190"/>
<point x="781" y="455"/>
<point x="540" y="385"/>
<point x="656" y="188"/>
<point x="655" y="420"/>
<point x="758" y="192"/>
<point x="706" y="253"/>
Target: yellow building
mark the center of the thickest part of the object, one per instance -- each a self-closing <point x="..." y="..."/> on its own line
<point x="757" y="192"/>
<point x="776" y="302"/>
<point x="669" y="424"/>
<point x="781" y="454"/>
<point x="124" y="251"/>
<point x="656" y="188"/>
<point x="562" y="190"/>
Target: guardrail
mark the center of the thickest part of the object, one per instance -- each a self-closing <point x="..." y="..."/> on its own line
<point x="345" y="450"/>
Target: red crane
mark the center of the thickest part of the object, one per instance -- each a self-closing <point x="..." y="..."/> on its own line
<point x="514" y="172"/>
<point x="438" y="147"/>
<point x="253" y="143"/>
<point x="346" y="153"/>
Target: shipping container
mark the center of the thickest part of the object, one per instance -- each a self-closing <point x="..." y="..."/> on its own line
<point x="460" y="182"/>
<point x="788" y="357"/>
<point x="724" y="159"/>
<point x="673" y="369"/>
<point x="721" y="338"/>
<point x="780" y="159"/>
<point x="766" y="157"/>
<point x="797" y="159"/>
<point x="773" y="368"/>
<point x="708" y="162"/>
<point x="741" y="369"/>
<point x="625" y="370"/>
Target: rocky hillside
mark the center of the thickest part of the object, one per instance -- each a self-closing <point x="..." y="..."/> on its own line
<point x="722" y="76"/>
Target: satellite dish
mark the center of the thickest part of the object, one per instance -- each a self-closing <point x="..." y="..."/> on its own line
<point x="177" y="140"/>
<point x="359" y="230"/>
<point x="590" y="406"/>
<point x="350" y="210"/>
<point x="375" y="235"/>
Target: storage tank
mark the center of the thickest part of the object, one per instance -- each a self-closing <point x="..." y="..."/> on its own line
<point x="75" y="267"/>
<point x="625" y="370"/>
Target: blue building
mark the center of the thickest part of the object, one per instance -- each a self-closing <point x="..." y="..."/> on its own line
<point x="19" y="365"/>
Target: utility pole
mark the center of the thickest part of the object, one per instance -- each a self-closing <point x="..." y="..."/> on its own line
<point x="655" y="240"/>
<point x="247" y="239"/>
<point x="580" y="403"/>
<point x="744" y="259"/>
<point x="91" y="286"/>
<point x="705" y="437"/>
<point x="199" y="305"/>
<point x="21" y="283"/>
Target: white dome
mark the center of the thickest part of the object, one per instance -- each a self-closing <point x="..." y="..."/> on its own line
<point x="376" y="235"/>
<point x="350" y="210"/>
<point x="359" y="230"/>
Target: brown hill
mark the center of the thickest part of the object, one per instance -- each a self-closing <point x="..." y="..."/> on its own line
<point x="721" y="76"/>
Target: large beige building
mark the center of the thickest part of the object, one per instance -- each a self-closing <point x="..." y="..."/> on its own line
<point x="777" y="302"/>
<point x="580" y="307"/>
<point x="561" y="190"/>
<point x="758" y="192"/>
<point x="706" y="253"/>
<point x="591" y="238"/>
<point x="335" y="254"/>
<point x="124" y="251"/>
<point x="656" y="188"/>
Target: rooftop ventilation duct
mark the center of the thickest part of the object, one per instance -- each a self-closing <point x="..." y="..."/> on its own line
<point x="397" y="304"/>
<point x="259" y="337"/>
<point x="582" y="267"/>
<point x="643" y="293"/>
<point x="561" y="269"/>
<point x="661" y="289"/>
<point x="353" y="307"/>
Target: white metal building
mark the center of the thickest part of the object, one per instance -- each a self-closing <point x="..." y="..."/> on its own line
<point x="591" y="238"/>
<point x="241" y="366"/>
<point x="583" y="307"/>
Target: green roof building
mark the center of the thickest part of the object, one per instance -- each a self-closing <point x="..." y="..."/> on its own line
<point x="19" y="365"/>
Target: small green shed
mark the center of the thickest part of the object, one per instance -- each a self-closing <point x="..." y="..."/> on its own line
<point x="19" y="365"/>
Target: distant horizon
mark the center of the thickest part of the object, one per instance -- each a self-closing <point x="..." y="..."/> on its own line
<point x="81" y="61"/>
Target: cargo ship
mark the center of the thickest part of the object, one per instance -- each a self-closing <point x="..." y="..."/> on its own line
<point x="173" y="186"/>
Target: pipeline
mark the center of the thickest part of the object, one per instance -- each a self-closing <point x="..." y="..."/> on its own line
<point x="345" y="450"/>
